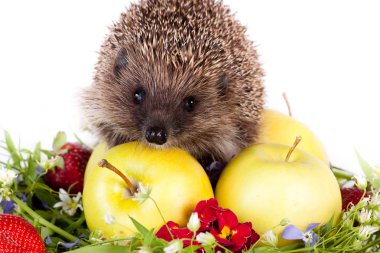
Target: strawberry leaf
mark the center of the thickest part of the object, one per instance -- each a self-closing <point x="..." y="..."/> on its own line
<point x="60" y="162"/>
<point x="59" y="141"/>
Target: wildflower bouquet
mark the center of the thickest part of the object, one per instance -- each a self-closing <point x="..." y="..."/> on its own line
<point x="59" y="224"/>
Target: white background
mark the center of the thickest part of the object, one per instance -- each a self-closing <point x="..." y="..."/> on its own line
<point x="324" y="54"/>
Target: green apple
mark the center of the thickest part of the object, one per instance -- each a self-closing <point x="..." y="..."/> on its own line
<point x="178" y="182"/>
<point x="264" y="185"/>
<point x="279" y="128"/>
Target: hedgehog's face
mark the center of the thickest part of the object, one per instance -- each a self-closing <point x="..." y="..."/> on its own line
<point x="164" y="106"/>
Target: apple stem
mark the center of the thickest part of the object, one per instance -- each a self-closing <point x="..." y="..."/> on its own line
<point x="105" y="164"/>
<point x="293" y="147"/>
<point x="287" y="104"/>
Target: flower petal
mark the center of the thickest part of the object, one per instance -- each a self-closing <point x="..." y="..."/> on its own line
<point x="207" y="210"/>
<point x="227" y="218"/>
<point x="69" y="245"/>
<point x="58" y="204"/>
<point x="163" y="232"/>
<point x="311" y="226"/>
<point x="314" y="239"/>
<point x="291" y="232"/>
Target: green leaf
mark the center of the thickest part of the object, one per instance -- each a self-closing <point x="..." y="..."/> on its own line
<point x="100" y="249"/>
<point x="208" y="249"/>
<point x="376" y="183"/>
<point x="158" y="242"/>
<point x="30" y="170"/>
<point x="59" y="141"/>
<point x="142" y="230"/>
<point x="366" y="168"/>
<point x="60" y="162"/>
<point x="37" y="152"/>
<point x="45" y="232"/>
<point x="327" y="228"/>
<point x="148" y="238"/>
<point x="191" y="249"/>
<point x="46" y="196"/>
<point x="12" y="149"/>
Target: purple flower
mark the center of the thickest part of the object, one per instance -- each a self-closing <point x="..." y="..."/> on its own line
<point x="39" y="170"/>
<point x="309" y="237"/>
<point x="23" y="197"/>
<point x="48" y="240"/>
<point x="69" y="245"/>
<point x="7" y="206"/>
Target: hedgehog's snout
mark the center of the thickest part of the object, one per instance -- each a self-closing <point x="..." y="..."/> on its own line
<point x="157" y="135"/>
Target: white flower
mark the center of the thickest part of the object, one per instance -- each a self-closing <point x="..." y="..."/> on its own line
<point x="69" y="205"/>
<point x="205" y="238"/>
<point x="144" y="249"/>
<point x="375" y="199"/>
<point x="5" y="193"/>
<point x="269" y="238"/>
<point x="7" y="176"/>
<point x="366" y="231"/>
<point x="109" y="219"/>
<point x="360" y="181"/>
<point x="174" y="247"/>
<point x="194" y="223"/>
<point x="48" y="163"/>
<point x="142" y="193"/>
<point x="364" y="216"/>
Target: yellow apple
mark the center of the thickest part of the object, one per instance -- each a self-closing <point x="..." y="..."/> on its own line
<point x="261" y="186"/>
<point x="97" y="154"/>
<point x="177" y="181"/>
<point x="279" y="128"/>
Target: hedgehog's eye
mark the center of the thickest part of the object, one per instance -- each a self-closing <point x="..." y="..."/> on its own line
<point x="189" y="103"/>
<point x="138" y="96"/>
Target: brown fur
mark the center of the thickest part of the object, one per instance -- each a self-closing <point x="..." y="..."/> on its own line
<point x="174" y="49"/>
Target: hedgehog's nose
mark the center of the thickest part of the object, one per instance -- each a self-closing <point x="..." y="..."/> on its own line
<point x="156" y="135"/>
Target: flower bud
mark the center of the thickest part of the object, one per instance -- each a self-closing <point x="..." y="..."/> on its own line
<point x="194" y="223"/>
<point x="269" y="238"/>
<point x="174" y="246"/>
<point x="360" y="182"/>
<point x="205" y="238"/>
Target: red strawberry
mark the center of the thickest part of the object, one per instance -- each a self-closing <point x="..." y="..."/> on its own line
<point x="350" y="195"/>
<point x="75" y="157"/>
<point x="19" y="236"/>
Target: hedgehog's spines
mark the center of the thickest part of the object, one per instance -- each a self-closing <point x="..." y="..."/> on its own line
<point x="176" y="49"/>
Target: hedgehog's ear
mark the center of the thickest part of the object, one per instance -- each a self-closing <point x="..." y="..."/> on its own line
<point x="121" y="61"/>
<point x="222" y="85"/>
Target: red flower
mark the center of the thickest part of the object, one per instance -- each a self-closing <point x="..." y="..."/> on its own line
<point x="177" y="232"/>
<point x="207" y="211"/>
<point x="222" y="223"/>
<point x="233" y="235"/>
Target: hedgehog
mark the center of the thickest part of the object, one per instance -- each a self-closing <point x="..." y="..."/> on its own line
<point x="176" y="73"/>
